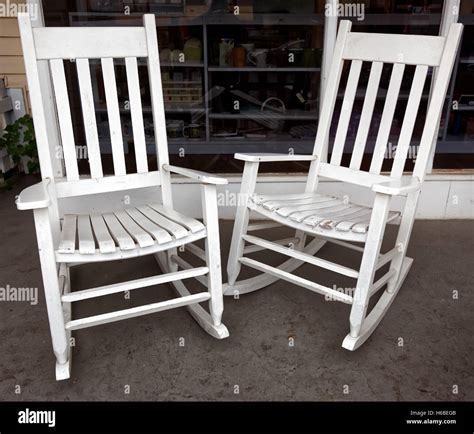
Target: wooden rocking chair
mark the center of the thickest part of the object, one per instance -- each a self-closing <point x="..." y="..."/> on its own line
<point x="339" y="221"/>
<point x="130" y="231"/>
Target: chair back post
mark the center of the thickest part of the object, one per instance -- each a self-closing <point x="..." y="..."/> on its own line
<point x="36" y="96"/>
<point x="157" y="103"/>
<point x="40" y="120"/>
<point x="330" y="96"/>
<point x="440" y="88"/>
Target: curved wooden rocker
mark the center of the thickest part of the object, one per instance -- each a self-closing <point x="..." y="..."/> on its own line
<point x="121" y="232"/>
<point x="341" y="221"/>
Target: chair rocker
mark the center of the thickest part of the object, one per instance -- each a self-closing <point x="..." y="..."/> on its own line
<point x="119" y="232"/>
<point x="326" y="218"/>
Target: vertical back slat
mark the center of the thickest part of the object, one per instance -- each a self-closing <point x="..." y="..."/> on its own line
<point x="113" y="112"/>
<point x="88" y="114"/>
<point x="409" y="120"/>
<point x="346" y="111"/>
<point x="366" y="116"/>
<point x="136" y="113"/>
<point x="158" y="108"/>
<point x="387" y="118"/>
<point x="64" y="118"/>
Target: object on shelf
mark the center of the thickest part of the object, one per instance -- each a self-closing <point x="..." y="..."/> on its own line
<point x="256" y="135"/>
<point x="248" y="47"/>
<point x="288" y="54"/>
<point x="258" y="57"/>
<point x="273" y="124"/>
<point x="239" y="56"/>
<point x="182" y="92"/>
<point x="192" y="50"/>
<point x="466" y="101"/>
<point x="245" y="96"/>
<point x="225" y="134"/>
<point x="298" y="98"/>
<point x="192" y="131"/>
<point x="177" y="56"/>
<point x="175" y="129"/>
<point x="215" y="94"/>
<point x="225" y="52"/>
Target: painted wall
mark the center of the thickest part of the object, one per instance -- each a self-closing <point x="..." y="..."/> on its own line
<point x="12" y="68"/>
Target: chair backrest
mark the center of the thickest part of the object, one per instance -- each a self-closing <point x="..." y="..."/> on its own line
<point x="424" y="52"/>
<point x="128" y="44"/>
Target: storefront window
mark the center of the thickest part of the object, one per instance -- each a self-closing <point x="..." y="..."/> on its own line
<point x="245" y="76"/>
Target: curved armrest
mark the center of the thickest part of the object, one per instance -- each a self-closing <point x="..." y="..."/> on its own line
<point x="34" y="197"/>
<point x="401" y="187"/>
<point x="264" y="158"/>
<point x="202" y="177"/>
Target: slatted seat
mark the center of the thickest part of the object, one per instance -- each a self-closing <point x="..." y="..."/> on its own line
<point x="124" y="230"/>
<point x="321" y="212"/>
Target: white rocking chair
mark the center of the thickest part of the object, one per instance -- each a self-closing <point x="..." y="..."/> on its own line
<point x="339" y="221"/>
<point x="130" y="231"/>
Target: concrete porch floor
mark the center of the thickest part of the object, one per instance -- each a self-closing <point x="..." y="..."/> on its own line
<point x="146" y="354"/>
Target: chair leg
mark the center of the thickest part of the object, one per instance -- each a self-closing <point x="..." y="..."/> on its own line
<point x="172" y="266"/>
<point x="201" y="316"/>
<point x="249" y="179"/>
<point x="213" y="253"/>
<point x="403" y="237"/>
<point x="52" y="291"/>
<point x="369" y="261"/>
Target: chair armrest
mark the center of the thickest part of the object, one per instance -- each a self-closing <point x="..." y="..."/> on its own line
<point x="202" y="177"/>
<point x="401" y="187"/>
<point x="34" y="197"/>
<point x="264" y="158"/>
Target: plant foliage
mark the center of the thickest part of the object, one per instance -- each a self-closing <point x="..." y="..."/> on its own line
<point x="19" y="141"/>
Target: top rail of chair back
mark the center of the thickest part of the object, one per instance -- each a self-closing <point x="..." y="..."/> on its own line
<point x="395" y="48"/>
<point x="88" y="42"/>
